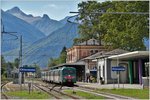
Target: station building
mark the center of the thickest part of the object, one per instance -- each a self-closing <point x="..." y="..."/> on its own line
<point x="136" y="67"/>
<point x="78" y="56"/>
<point x="91" y="59"/>
<point x="91" y="66"/>
<point x="82" y="50"/>
<point x="77" y="53"/>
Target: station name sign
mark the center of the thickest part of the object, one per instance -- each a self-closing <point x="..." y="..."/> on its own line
<point x="118" y="68"/>
<point x="27" y="69"/>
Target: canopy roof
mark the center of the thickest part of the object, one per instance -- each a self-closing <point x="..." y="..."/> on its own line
<point x="131" y="55"/>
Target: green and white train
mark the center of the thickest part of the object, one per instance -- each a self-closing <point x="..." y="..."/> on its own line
<point x="64" y="75"/>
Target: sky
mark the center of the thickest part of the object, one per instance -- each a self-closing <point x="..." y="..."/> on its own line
<point x="55" y="9"/>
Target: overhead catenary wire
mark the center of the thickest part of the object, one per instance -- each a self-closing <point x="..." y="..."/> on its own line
<point x="68" y="20"/>
<point x="140" y="13"/>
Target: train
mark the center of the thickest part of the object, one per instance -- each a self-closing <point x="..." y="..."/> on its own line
<point x="64" y="75"/>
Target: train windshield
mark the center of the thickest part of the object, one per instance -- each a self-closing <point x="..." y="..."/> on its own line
<point x="69" y="71"/>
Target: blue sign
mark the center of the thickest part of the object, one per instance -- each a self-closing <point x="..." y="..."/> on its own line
<point x="27" y="69"/>
<point x="118" y="68"/>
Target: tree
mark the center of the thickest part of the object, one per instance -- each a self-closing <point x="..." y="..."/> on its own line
<point x="9" y="68"/>
<point x="16" y="62"/>
<point x="89" y="17"/>
<point x="38" y="70"/>
<point x="3" y="65"/>
<point x="63" y="55"/>
<point x="61" y="59"/>
<point x="53" y="62"/>
<point x="126" y="31"/>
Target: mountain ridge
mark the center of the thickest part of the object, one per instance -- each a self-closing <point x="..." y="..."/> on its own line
<point x="45" y="24"/>
<point x="20" y="14"/>
<point x="13" y="24"/>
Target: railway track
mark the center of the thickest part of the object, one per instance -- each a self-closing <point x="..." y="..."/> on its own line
<point x="55" y="93"/>
<point x="91" y="90"/>
<point x="3" y="95"/>
<point x="73" y="97"/>
<point x="46" y="90"/>
<point x="107" y="95"/>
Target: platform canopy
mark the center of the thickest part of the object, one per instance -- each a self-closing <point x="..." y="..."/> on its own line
<point x="131" y="55"/>
<point x="79" y="63"/>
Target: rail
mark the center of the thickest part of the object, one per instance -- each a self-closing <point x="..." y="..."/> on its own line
<point x="46" y="90"/>
<point x="3" y="95"/>
<point x="108" y="95"/>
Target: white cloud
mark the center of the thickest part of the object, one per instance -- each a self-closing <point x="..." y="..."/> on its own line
<point x="52" y="5"/>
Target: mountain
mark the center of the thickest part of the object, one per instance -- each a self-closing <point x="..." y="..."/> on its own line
<point x="37" y="50"/>
<point x="64" y="21"/>
<point x="11" y="23"/>
<point x="47" y="25"/>
<point x="68" y="18"/>
<point x="44" y="24"/>
<point x="49" y="47"/>
<point x="20" y="14"/>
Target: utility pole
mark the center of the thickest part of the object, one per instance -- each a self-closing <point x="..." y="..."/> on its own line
<point x="20" y="64"/>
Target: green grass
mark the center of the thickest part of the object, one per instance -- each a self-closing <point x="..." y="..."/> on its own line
<point x="135" y="93"/>
<point x="84" y="95"/>
<point x="26" y="95"/>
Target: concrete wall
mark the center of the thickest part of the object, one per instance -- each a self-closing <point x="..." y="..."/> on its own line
<point x="123" y="74"/>
<point x="100" y="69"/>
<point x="104" y="70"/>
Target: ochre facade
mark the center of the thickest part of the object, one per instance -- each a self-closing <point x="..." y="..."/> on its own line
<point x="77" y="53"/>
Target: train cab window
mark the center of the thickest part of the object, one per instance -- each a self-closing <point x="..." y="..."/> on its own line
<point x="68" y="71"/>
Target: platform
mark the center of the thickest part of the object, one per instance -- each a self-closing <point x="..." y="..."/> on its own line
<point x="109" y="86"/>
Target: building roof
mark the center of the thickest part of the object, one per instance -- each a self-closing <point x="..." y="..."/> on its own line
<point x="116" y="52"/>
<point x="131" y="55"/>
<point x="94" y="55"/>
<point x="81" y="63"/>
<point x="90" y="42"/>
<point x="105" y="54"/>
<point x="113" y="52"/>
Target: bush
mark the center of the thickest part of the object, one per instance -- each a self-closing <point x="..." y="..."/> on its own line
<point x="94" y="80"/>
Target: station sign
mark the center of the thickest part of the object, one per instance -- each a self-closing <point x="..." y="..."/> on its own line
<point x="118" y="68"/>
<point x="27" y="69"/>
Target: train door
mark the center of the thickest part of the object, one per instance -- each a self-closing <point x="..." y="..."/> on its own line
<point x="61" y="76"/>
<point x="49" y="76"/>
<point x="56" y="76"/>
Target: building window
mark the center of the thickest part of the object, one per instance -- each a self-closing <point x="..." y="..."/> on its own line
<point x="96" y="51"/>
<point x="84" y="54"/>
<point x="146" y="69"/>
<point x="93" y="42"/>
<point x="91" y="52"/>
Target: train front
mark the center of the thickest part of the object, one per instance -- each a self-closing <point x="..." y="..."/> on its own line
<point x="69" y="75"/>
